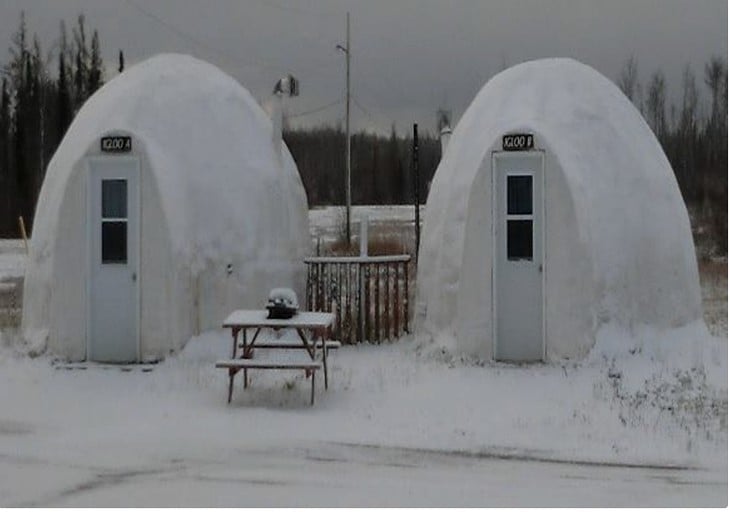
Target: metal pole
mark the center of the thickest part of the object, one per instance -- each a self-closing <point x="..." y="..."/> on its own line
<point x="417" y="188"/>
<point x="348" y="194"/>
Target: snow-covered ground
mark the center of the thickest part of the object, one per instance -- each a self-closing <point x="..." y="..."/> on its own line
<point x="398" y="426"/>
<point x="402" y="424"/>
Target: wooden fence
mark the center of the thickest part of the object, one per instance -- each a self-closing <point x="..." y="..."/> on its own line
<point x="368" y="294"/>
<point x="11" y="301"/>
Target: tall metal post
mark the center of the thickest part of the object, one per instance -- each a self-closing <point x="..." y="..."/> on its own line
<point x="348" y="196"/>
<point x="417" y="188"/>
<point x="348" y="192"/>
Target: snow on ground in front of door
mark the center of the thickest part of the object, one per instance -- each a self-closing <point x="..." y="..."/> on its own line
<point x="64" y="432"/>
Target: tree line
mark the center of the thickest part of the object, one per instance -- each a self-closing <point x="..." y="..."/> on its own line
<point x="42" y="92"/>
<point x="37" y="104"/>
<point x="694" y="138"/>
<point x="381" y="169"/>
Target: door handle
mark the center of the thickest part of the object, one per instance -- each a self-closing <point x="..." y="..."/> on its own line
<point x="134" y="277"/>
<point x="540" y="268"/>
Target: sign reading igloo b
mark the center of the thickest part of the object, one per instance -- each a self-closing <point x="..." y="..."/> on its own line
<point x="553" y="215"/>
<point x="165" y="207"/>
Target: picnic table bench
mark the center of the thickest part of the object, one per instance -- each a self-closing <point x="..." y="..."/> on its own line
<point x="311" y="328"/>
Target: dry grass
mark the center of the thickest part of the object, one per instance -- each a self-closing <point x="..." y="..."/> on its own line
<point x="714" y="269"/>
<point x="713" y="278"/>
<point x="382" y="241"/>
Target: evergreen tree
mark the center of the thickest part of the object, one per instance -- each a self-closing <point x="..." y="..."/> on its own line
<point x="656" y="108"/>
<point x="81" y="58"/>
<point x="63" y="99"/>
<point x="5" y="185"/>
<point x="96" y="71"/>
<point x="16" y="70"/>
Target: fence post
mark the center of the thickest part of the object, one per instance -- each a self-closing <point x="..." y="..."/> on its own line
<point x="386" y="307"/>
<point x="364" y="221"/>
<point x="397" y="305"/>
<point x="348" y="302"/>
<point x="363" y="253"/>
<point x="406" y="296"/>
<point x="377" y="302"/>
<point x="360" y="306"/>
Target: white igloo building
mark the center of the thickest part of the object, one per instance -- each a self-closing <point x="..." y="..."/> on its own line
<point x="553" y="214"/>
<point x="168" y="204"/>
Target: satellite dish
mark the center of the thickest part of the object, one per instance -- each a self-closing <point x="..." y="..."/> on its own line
<point x="288" y="85"/>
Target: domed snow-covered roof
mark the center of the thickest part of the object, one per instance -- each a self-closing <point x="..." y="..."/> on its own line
<point x="629" y="212"/>
<point x="223" y="213"/>
<point x="209" y="146"/>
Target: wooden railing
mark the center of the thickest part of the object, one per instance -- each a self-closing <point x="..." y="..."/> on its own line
<point x="11" y="301"/>
<point x="368" y="294"/>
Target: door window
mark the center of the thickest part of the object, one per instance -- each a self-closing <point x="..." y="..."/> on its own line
<point x="114" y="221"/>
<point x="519" y="218"/>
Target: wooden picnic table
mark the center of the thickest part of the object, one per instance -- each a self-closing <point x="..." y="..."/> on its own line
<point x="310" y="326"/>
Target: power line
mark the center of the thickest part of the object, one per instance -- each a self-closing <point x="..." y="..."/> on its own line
<point x="297" y="9"/>
<point x="198" y="42"/>
<point x="369" y="115"/>
<point x="315" y="110"/>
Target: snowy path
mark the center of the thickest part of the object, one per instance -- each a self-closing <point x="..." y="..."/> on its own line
<point x="332" y="475"/>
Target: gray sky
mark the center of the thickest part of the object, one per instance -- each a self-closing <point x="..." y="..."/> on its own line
<point x="409" y="57"/>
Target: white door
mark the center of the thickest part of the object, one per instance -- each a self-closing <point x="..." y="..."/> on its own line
<point x="113" y="216"/>
<point x="518" y="256"/>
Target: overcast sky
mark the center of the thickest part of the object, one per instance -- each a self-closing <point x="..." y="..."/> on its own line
<point x="409" y="57"/>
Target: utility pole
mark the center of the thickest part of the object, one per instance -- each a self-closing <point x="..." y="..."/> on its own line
<point x="348" y="180"/>
<point x="416" y="188"/>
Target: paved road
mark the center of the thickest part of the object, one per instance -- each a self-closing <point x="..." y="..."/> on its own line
<point x="337" y="475"/>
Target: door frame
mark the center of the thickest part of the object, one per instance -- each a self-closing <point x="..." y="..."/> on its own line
<point x="506" y="155"/>
<point x="89" y="233"/>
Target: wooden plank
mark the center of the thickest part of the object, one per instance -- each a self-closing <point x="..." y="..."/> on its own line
<point x="360" y="305"/>
<point x="405" y="298"/>
<point x="368" y="293"/>
<point x="338" y="332"/>
<point x="330" y="344"/>
<point x="326" y="288"/>
<point x="359" y="259"/>
<point x="377" y="303"/>
<point x="348" y="291"/>
<point x="397" y="305"/>
<point x="244" y="318"/>
<point x="309" y="283"/>
<point x="318" y="302"/>
<point x="262" y="365"/>
<point x="386" y="308"/>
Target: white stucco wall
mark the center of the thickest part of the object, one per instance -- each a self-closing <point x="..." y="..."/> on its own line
<point x="213" y="193"/>
<point x="567" y="285"/>
<point x="618" y="243"/>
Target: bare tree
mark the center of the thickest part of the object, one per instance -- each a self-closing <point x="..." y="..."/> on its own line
<point x="714" y="76"/>
<point x="656" y="108"/>
<point x="628" y="81"/>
